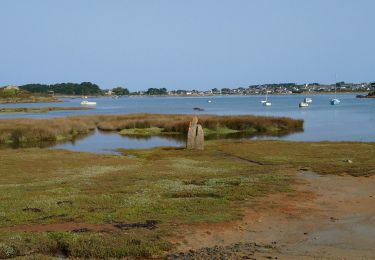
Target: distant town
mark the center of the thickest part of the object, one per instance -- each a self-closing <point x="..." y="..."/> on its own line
<point x="88" y="88"/>
<point x="282" y="88"/>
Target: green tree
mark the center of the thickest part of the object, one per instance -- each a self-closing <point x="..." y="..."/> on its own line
<point x="225" y="91"/>
<point x="84" y="88"/>
<point x="156" y="91"/>
<point x="120" y="91"/>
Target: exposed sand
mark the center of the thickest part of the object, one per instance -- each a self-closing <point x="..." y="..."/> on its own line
<point x="329" y="217"/>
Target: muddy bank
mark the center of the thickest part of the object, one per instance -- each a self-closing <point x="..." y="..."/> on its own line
<point x="234" y="251"/>
<point x="329" y="217"/>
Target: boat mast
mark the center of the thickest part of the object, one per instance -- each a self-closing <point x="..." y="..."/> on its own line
<point x="335" y="84"/>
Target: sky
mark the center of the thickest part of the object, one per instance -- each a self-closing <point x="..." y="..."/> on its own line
<point x="179" y="44"/>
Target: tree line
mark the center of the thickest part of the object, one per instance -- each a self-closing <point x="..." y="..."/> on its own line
<point x="156" y="91"/>
<point x="84" y="88"/>
<point x="120" y="91"/>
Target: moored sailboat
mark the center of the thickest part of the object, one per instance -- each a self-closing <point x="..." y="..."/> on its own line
<point x="265" y="102"/>
<point x="335" y="100"/>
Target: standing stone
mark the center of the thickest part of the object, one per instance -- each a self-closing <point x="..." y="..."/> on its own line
<point x="191" y="133"/>
<point x="195" y="139"/>
<point x="199" y="138"/>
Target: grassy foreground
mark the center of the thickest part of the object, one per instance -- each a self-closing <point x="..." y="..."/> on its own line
<point x="33" y="132"/>
<point x="56" y="202"/>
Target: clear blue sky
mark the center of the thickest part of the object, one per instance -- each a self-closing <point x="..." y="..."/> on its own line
<point x="179" y="44"/>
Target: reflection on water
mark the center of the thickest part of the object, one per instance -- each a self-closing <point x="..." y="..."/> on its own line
<point x="248" y="135"/>
<point x="44" y="143"/>
<point x="109" y="142"/>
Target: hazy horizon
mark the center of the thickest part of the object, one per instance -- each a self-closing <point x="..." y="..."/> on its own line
<point x="186" y="45"/>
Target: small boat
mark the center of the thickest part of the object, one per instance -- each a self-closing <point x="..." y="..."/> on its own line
<point x="209" y="101"/>
<point x="303" y="104"/>
<point x="88" y="103"/>
<point x="266" y="103"/>
<point x="307" y="100"/>
<point x="198" y="109"/>
<point x="335" y="101"/>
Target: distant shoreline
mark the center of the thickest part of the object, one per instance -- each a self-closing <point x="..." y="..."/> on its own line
<point x="59" y="98"/>
<point x="210" y="95"/>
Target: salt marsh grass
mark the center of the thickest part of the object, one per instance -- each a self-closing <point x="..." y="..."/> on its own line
<point x="36" y="131"/>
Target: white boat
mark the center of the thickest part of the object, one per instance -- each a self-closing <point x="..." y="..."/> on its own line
<point x="335" y="101"/>
<point x="266" y="103"/>
<point x="307" y="100"/>
<point x="88" y="103"/>
<point x="303" y="104"/>
<point x="209" y="101"/>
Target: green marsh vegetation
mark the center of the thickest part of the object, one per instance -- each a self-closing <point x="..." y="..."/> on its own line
<point x="34" y="131"/>
<point x="23" y="96"/>
<point x="172" y="187"/>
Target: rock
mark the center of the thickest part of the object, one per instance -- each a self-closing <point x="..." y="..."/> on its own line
<point x="192" y="133"/>
<point x="195" y="138"/>
<point x="348" y="161"/>
<point x="199" y="138"/>
<point x="333" y="219"/>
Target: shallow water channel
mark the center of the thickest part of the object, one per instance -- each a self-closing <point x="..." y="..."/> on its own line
<point x="352" y="120"/>
<point x="109" y="142"/>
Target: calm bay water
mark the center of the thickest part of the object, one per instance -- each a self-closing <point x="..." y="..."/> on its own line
<point x="352" y="120"/>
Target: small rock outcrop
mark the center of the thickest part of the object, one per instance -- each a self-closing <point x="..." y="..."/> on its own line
<point x="195" y="138"/>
